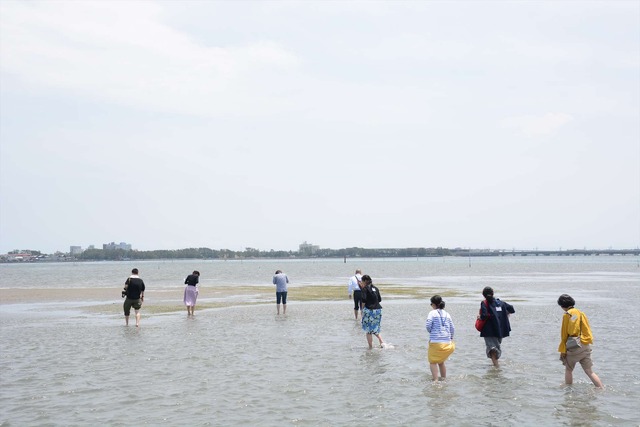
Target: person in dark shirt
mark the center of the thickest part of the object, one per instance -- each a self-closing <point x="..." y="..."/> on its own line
<point x="372" y="313"/>
<point x="496" y="313"/>
<point x="191" y="292"/>
<point x="134" y="292"/>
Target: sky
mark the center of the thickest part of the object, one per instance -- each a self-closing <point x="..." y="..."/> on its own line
<point x="233" y="125"/>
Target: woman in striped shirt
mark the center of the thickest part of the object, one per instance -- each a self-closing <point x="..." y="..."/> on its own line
<point x="441" y="329"/>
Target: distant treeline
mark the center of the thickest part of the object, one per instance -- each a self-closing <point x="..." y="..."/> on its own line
<point x="206" y="253"/>
<point x="250" y="253"/>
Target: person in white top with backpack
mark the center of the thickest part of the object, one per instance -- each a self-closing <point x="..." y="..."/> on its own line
<point x="356" y="291"/>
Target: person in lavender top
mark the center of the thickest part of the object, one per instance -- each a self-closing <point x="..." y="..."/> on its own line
<point x="281" y="280"/>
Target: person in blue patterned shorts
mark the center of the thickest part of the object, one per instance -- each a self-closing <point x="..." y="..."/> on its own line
<point x="372" y="313"/>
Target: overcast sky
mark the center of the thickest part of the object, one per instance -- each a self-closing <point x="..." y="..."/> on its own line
<point x="181" y="124"/>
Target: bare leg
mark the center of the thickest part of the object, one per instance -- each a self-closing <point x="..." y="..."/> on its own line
<point x="494" y="357"/>
<point x="126" y="320"/>
<point x="284" y="308"/>
<point x="355" y="311"/>
<point x="370" y="340"/>
<point x="594" y="378"/>
<point x="568" y="377"/>
<point x="434" y="371"/>
<point x="443" y="370"/>
<point x="278" y="308"/>
<point x="379" y="339"/>
<point x="137" y="318"/>
<point x="193" y="309"/>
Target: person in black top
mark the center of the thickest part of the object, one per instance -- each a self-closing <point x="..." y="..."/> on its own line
<point x="134" y="291"/>
<point x="191" y="291"/>
<point x="372" y="313"/>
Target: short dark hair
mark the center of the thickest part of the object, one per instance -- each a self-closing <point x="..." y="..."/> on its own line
<point x="278" y="271"/>
<point x="437" y="301"/>
<point x="134" y="271"/>
<point x="366" y="278"/>
<point x="565" y="301"/>
<point x="487" y="292"/>
<point x="196" y="272"/>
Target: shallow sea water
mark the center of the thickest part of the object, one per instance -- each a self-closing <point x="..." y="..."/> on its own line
<point x="246" y="366"/>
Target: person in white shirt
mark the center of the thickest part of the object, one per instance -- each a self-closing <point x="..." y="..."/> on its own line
<point x="281" y="280"/>
<point x="441" y="330"/>
<point x="354" y="288"/>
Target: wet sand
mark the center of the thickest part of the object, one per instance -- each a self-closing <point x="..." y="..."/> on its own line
<point x="165" y="300"/>
<point x="24" y="296"/>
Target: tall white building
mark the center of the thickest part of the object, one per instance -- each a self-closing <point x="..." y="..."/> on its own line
<point x="308" y="248"/>
<point x="113" y="246"/>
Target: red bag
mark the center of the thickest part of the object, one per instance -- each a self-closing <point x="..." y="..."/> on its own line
<point x="480" y="323"/>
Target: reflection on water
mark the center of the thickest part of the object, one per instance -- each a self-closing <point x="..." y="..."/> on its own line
<point x="439" y="396"/>
<point x="247" y="366"/>
<point x="373" y="363"/>
<point x="578" y="407"/>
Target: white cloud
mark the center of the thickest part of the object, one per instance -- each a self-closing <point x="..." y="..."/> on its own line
<point x="124" y="53"/>
<point x="316" y="106"/>
<point x="532" y="126"/>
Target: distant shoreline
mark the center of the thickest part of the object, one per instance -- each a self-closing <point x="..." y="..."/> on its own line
<point x="366" y="254"/>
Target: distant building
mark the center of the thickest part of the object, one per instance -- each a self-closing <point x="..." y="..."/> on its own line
<point x="308" y="249"/>
<point x="19" y="256"/>
<point x="75" y="250"/>
<point x="113" y="246"/>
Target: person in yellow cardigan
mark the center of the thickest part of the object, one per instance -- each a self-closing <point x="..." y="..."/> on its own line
<point x="575" y="324"/>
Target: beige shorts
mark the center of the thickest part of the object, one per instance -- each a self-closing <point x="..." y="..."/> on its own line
<point x="582" y="355"/>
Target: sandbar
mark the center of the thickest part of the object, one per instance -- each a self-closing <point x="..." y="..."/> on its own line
<point x="102" y="300"/>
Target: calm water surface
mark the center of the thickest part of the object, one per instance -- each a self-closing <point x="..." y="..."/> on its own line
<point x="61" y="366"/>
